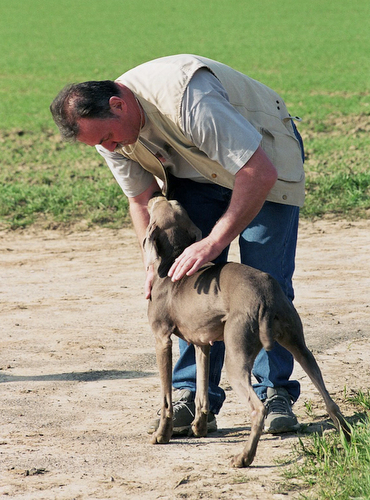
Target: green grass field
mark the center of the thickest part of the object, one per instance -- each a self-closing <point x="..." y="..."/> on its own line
<point x="313" y="53"/>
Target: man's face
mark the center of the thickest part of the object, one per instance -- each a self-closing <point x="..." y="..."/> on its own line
<point x="122" y="129"/>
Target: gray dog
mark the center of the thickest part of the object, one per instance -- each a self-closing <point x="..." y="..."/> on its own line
<point x="242" y="306"/>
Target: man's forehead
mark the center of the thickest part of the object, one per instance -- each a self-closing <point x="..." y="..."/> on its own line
<point x="91" y="130"/>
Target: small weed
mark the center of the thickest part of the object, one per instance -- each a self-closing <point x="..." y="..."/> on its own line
<point x="361" y="399"/>
<point x="308" y="408"/>
<point x="240" y="479"/>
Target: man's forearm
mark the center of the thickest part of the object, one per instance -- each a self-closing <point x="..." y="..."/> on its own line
<point x="250" y="191"/>
<point x="139" y="212"/>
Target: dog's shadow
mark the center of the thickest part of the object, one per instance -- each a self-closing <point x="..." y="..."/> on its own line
<point x="236" y="434"/>
<point x="322" y="426"/>
<point x="306" y="429"/>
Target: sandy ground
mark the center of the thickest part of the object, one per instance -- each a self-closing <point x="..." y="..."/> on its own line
<point x="79" y="382"/>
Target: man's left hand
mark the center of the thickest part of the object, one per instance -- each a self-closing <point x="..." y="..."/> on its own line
<point x="193" y="258"/>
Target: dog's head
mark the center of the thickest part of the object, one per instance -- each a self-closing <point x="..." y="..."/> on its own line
<point x="169" y="232"/>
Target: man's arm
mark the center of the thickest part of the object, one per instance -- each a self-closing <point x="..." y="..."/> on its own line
<point x="252" y="185"/>
<point x="140" y="219"/>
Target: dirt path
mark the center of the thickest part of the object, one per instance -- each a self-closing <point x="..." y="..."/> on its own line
<point x="79" y="382"/>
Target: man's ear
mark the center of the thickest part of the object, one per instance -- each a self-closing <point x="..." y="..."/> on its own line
<point x="117" y="104"/>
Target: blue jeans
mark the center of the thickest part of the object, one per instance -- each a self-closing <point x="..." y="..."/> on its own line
<point x="268" y="244"/>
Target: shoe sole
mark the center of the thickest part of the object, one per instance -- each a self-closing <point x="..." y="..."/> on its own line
<point x="282" y="430"/>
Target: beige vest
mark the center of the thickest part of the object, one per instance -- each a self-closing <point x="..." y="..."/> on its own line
<point x="159" y="85"/>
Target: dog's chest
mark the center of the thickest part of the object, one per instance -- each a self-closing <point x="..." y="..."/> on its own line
<point x="192" y="308"/>
<point x="197" y="323"/>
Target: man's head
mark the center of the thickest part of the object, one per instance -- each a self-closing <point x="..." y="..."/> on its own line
<point x="98" y="112"/>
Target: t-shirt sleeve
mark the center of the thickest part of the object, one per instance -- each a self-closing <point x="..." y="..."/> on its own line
<point x="213" y="125"/>
<point x="130" y="175"/>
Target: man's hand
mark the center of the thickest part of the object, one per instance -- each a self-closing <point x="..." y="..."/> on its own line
<point x="193" y="258"/>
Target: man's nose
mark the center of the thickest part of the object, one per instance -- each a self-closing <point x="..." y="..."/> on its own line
<point x="110" y="145"/>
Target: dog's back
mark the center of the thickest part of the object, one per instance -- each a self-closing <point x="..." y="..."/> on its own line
<point x="198" y="307"/>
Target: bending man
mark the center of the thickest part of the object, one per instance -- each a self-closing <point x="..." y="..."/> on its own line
<point x="225" y="146"/>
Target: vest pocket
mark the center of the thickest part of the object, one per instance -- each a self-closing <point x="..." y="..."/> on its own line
<point x="284" y="152"/>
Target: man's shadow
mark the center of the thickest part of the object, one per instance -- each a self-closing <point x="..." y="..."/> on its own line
<point x="89" y="376"/>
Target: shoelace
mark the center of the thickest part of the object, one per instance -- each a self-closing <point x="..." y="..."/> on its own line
<point x="278" y="404"/>
<point x="180" y="404"/>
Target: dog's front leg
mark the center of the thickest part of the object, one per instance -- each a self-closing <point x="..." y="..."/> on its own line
<point x="199" y="425"/>
<point x="163" y="348"/>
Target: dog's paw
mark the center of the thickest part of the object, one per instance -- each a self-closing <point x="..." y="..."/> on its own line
<point x="199" y="426"/>
<point x="240" y="461"/>
<point x="198" y="431"/>
<point x="163" y="434"/>
<point x="160" y="438"/>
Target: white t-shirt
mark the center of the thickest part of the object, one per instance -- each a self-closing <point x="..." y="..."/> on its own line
<point x="209" y="121"/>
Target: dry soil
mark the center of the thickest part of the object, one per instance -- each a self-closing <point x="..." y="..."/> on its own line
<point x="79" y="382"/>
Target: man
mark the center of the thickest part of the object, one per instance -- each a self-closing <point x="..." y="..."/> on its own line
<point x="225" y="146"/>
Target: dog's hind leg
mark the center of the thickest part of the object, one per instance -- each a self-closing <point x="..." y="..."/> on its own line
<point x="163" y="347"/>
<point x="242" y="348"/>
<point x="199" y="425"/>
<point x="292" y="338"/>
<point x="309" y="364"/>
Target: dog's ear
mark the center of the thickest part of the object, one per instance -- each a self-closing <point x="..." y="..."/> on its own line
<point x="150" y="244"/>
<point x="185" y="222"/>
<point x="195" y="232"/>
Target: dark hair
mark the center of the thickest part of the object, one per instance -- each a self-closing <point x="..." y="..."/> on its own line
<point x="82" y="100"/>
